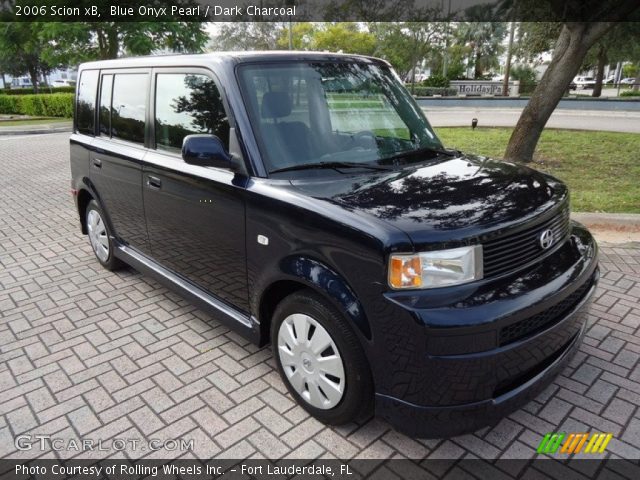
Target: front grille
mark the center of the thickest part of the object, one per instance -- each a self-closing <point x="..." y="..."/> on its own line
<point x="544" y="319"/>
<point x="513" y="251"/>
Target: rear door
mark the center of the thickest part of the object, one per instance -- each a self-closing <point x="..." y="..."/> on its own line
<point x="195" y="215"/>
<point x="115" y="163"/>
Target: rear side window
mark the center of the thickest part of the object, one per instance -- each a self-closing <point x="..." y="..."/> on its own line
<point x="128" y="106"/>
<point x="86" y="102"/>
<point x="188" y="104"/>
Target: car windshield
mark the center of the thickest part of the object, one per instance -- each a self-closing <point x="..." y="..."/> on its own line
<point x="317" y="113"/>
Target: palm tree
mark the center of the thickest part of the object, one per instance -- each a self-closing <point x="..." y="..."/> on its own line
<point x="486" y="41"/>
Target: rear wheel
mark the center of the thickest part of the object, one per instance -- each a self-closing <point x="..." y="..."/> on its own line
<point x="320" y="359"/>
<point x="100" y="237"/>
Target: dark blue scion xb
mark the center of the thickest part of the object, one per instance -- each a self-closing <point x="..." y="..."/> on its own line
<point x="304" y="200"/>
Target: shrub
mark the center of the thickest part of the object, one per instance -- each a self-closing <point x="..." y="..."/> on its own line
<point x="630" y="70"/>
<point x="436" y="81"/>
<point x="42" y="90"/>
<point x="38" y="105"/>
<point x="631" y="93"/>
<point x="527" y="77"/>
<point x="9" y="104"/>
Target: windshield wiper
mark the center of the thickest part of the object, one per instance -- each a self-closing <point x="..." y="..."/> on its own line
<point x="418" y="151"/>
<point x="330" y="165"/>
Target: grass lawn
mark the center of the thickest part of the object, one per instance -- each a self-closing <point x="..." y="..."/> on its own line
<point x="602" y="169"/>
<point x="32" y="121"/>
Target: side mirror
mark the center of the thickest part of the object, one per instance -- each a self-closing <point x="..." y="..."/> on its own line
<point x="206" y="151"/>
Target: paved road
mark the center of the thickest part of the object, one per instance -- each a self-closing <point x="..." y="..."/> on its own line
<point x="89" y="354"/>
<point x="613" y="121"/>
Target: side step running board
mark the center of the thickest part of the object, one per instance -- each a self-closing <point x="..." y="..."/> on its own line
<point x="247" y="326"/>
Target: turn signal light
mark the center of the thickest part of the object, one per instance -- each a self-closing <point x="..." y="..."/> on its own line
<point x="405" y="271"/>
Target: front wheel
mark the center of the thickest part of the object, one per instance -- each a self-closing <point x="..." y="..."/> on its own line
<point x="320" y="359"/>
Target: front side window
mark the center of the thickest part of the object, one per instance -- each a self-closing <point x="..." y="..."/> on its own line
<point x="315" y="112"/>
<point x="128" y="106"/>
<point x="188" y="104"/>
<point x="86" y="102"/>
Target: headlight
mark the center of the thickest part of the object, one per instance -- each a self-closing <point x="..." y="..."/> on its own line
<point x="439" y="268"/>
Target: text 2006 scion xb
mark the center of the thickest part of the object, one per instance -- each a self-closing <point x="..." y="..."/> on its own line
<point x="304" y="199"/>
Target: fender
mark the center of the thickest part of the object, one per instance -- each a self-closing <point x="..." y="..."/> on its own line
<point x="89" y="187"/>
<point x="324" y="280"/>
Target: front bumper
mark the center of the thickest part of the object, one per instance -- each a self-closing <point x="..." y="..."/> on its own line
<point x="475" y="353"/>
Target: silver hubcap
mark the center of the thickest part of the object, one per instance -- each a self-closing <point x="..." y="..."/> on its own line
<point x="98" y="235"/>
<point x="311" y="361"/>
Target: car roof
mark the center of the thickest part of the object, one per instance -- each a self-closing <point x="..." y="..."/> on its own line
<point x="229" y="58"/>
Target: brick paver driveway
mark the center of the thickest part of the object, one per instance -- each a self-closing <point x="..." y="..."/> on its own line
<point x="88" y="354"/>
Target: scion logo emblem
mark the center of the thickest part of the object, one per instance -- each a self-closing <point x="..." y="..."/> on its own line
<point x="546" y="239"/>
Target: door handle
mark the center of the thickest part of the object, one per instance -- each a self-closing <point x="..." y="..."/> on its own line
<point x="97" y="163"/>
<point x="154" y="182"/>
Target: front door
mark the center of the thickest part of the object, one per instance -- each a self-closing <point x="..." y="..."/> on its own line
<point x="195" y="215"/>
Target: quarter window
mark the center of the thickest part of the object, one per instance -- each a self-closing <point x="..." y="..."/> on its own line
<point x="86" y="103"/>
<point x="128" y="106"/>
<point x="187" y="104"/>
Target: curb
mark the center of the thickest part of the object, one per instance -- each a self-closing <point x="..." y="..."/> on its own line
<point x="35" y="131"/>
<point x="629" y="220"/>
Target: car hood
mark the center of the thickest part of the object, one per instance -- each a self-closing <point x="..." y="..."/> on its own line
<point x="447" y="200"/>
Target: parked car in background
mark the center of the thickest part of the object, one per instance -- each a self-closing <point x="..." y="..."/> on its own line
<point x="304" y="200"/>
<point x="63" y="83"/>
<point x="585" y="82"/>
<point x="628" y="81"/>
<point x="21" y="82"/>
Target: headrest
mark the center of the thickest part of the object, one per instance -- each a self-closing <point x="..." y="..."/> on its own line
<point x="276" y="105"/>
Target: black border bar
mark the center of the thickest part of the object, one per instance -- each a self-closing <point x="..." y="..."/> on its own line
<point x="319" y="10"/>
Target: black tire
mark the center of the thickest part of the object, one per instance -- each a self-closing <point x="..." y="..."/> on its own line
<point x="111" y="263"/>
<point x="357" y="400"/>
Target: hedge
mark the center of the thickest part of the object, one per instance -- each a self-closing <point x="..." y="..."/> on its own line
<point x="39" y="105"/>
<point x="631" y="93"/>
<point x="41" y="90"/>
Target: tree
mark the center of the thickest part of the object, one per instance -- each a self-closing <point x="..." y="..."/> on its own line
<point x="621" y="43"/>
<point x="406" y="44"/>
<point x="248" y="36"/>
<point x="302" y="35"/>
<point x="535" y="38"/>
<point x="369" y="10"/>
<point x="394" y="45"/>
<point x="571" y="47"/>
<point x="485" y="39"/>
<point x="21" y="50"/>
<point x="425" y="38"/>
<point x="70" y="43"/>
<point x="345" y="37"/>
